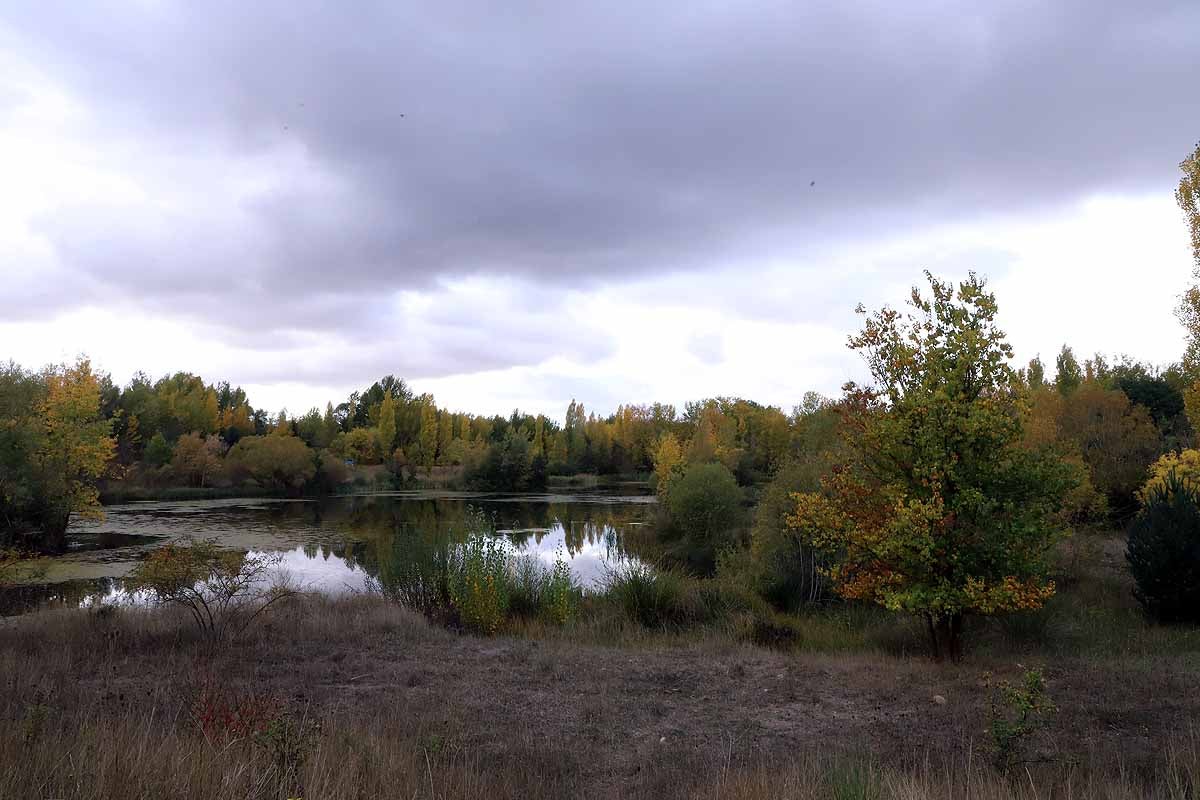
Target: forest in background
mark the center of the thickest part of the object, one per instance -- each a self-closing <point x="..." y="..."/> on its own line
<point x="1113" y="419"/>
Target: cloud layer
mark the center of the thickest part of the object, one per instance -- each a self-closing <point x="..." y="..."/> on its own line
<point x="441" y="189"/>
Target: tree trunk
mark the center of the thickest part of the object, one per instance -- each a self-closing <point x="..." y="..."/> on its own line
<point x="945" y="636"/>
<point x="956" y="638"/>
<point x="54" y="532"/>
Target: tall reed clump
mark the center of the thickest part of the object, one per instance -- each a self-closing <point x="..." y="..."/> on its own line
<point x="540" y="592"/>
<point x="479" y="584"/>
<point x="654" y="598"/>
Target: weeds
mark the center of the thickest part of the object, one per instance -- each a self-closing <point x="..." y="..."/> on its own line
<point x="478" y="583"/>
<point x="33" y="724"/>
<point x="223" y="717"/>
<point x="537" y="592"/>
<point x="1017" y="713"/>
<point x="287" y="742"/>
<point x="652" y="598"/>
<point x="560" y="594"/>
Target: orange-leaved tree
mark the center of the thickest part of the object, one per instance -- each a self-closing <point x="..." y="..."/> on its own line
<point x="939" y="507"/>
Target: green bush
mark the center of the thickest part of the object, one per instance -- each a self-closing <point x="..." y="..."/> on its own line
<point x="275" y="462"/>
<point x="525" y="587"/>
<point x="704" y="505"/>
<point x="784" y="569"/>
<point x="416" y="574"/>
<point x="560" y="594"/>
<point x="478" y="583"/>
<point x="158" y="451"/>
<point x="650" y="597"/>
<point x="1017" y="714"/>
<point x="1164" y="551"/>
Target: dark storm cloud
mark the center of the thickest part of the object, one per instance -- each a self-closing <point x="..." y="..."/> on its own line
<point x="554" y="143"/>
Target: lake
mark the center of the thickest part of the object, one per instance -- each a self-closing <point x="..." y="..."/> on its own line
<point x="342" y="544"/>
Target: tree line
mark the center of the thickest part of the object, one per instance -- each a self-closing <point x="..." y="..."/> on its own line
<point x="181" y="431"/>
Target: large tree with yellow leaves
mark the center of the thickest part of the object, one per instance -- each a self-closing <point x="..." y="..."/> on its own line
<point x="1188" y="311"/>
<point x="56" y="445"/>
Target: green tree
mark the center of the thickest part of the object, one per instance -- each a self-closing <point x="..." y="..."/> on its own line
<point x="387" y="424"/>
<point x="21" y="394"/>
<point x="785" y="567"/>
<point x="1163" y="550"/>
<point x="428" y="437"/>
<point x="1068" y="375"/>
<point x="506" y="466"/>
<point x="576" y="442"/>
<point x="940" y="509"/>
<point x="1117" y="440"/>
<point x="1035" y="375"/>
<point x="158" y="451"/>
<point x="360" y="445"/>
<point x="329" y="424"/>
<point x="308" y="428"/>
<point x="445" y="434"/>
<point x="704" y="504"/>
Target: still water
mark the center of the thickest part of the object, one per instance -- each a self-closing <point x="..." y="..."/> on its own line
<point x="342" y="544"/>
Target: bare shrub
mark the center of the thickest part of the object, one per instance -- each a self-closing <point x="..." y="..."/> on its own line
<point x="223" y="590"/>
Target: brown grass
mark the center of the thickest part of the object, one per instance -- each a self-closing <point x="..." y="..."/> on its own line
<point x="361" y="699"/>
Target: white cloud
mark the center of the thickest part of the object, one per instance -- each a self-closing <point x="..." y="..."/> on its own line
<point x="152" y="247"/>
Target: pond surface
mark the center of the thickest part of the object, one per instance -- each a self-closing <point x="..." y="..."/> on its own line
<point x="341" y="544"/>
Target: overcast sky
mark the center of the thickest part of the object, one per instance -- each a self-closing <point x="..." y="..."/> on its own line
<point x="517" y="204"/>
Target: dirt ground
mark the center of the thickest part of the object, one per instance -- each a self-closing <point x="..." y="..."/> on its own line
<point x="624" y="717"/>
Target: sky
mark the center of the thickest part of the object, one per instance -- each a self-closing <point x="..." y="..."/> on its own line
<point x="514" y="205"/>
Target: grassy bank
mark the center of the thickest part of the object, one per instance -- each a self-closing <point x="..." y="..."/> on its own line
<point x="360" y="698"/>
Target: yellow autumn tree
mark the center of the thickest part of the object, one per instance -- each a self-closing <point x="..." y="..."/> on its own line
<point x="387" y="423"/>
<point x="235" y="422"/>
<point x="538" y="447"/>
<point x="283" y="426"/>
<point x="1185" y="465"/>
<point x="1187" y="195"/>
<point x="74" y="450"/>
<point x="668" y="462"/>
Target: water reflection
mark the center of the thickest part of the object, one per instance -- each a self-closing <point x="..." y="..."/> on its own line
<point x="344" y="544"/>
